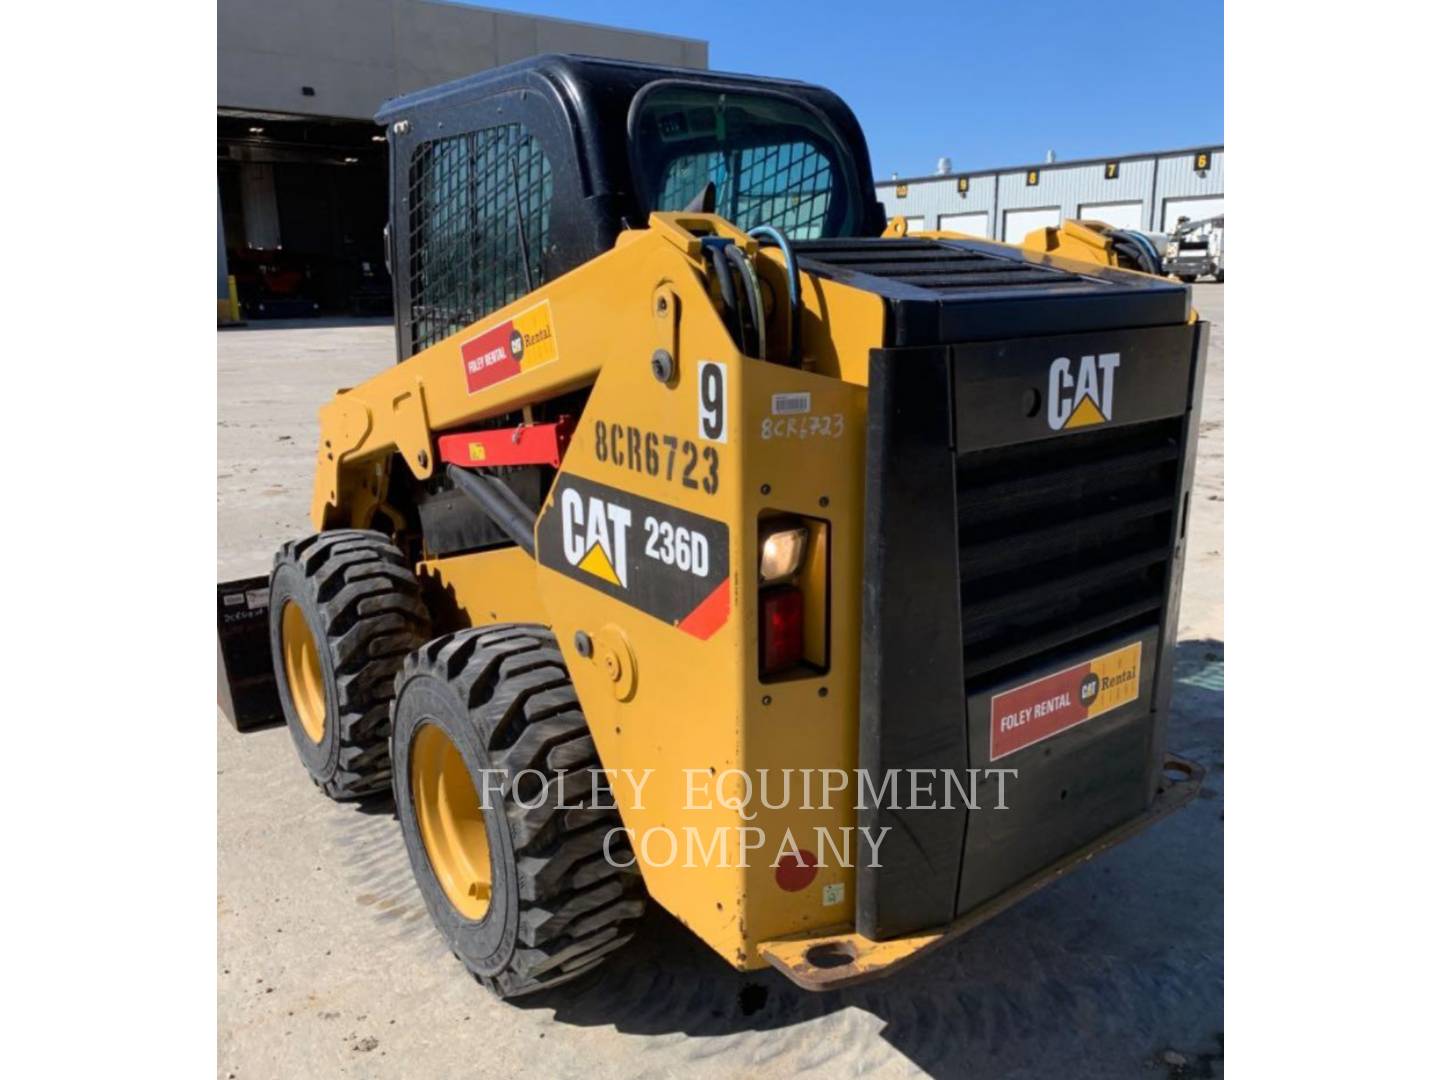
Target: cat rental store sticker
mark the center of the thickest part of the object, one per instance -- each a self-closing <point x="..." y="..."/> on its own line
<point x="1054" y="703"/>
<point x="522" y="342"/>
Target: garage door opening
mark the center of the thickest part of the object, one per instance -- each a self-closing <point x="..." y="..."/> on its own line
<point x="1119" y="215"/>
<point x="975" y="223"/>
<point x="1020" y="222"/>
<point x="303" y="206"/>
<point x="1196" y="209"/>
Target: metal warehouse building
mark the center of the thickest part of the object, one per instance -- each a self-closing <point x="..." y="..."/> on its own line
<point x="302" y="166"/>
<point x="1150" y="192"/>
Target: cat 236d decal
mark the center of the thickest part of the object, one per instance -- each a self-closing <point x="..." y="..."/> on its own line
<point x="659" y="559"/>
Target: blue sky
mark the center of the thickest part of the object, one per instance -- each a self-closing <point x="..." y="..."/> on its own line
<point x="986" y="83"/>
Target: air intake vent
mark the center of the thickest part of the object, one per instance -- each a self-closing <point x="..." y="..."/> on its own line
<point x="942" y="292"/>
<point x="928" y="264"/>
<point x="1062" y="542"/>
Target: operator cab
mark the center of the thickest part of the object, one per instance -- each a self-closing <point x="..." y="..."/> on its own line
<point x="505" y="180"/>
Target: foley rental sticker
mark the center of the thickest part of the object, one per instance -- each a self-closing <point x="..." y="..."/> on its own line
<point x="522" y="342"/>
<point x="1047" y="706"/>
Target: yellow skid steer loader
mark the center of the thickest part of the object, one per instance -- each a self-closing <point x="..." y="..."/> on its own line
<point x="713" y="544"/>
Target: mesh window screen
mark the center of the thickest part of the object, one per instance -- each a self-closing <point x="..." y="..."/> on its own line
<point x="479" y="215"/>
<point x="788" y="185"/>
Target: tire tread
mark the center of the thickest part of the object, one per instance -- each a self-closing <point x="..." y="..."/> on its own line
<point x="572" y="912"/>
<point x="375" y="617"/>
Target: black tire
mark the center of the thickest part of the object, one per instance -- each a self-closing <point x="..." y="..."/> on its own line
<point x="361" y="604"/>
<point x="557" y="905"/>
<point x="1188" y="279"/>
<point x="1219" y="277"/>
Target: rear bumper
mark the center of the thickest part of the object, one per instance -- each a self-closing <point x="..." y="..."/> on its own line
<point x="829" y="961"/>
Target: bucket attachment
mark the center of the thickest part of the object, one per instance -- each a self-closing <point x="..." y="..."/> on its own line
<point x="246" y="682"/>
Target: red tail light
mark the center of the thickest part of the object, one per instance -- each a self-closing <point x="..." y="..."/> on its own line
<point x="782" y="628"/>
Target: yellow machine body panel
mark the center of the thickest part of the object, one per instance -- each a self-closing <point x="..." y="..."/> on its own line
<point x="678" y="713"/>
<point x="1072" y="239"/>
<point x="692" y="709"/>
<point x="481" y="587"/>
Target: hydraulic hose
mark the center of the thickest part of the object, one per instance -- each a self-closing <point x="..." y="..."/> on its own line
<point x="792" y="279"/>
<point x="719" y="264"/>
<point x="1136" y="247"/>
<point x="752" y="294"/>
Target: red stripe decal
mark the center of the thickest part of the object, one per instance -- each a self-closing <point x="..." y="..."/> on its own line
<point x="710" y="614"/>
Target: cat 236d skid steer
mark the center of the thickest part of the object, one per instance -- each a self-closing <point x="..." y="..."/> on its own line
<point x="693" y="469"/>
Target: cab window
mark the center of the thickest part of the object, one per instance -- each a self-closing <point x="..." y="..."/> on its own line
<point x="772" y="160"/>
<point x="479" y="227"/>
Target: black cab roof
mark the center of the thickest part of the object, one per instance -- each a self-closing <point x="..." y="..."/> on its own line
<point x="594" y="96"/>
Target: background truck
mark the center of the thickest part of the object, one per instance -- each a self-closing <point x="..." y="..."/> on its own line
<point x="1196" y="249"/>
<point x="692" y="468"/>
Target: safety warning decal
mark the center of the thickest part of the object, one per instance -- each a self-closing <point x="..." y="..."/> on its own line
<point x="659" y="559"/>
<point x="522" y="342"/>
<point x="1047" y="706"/>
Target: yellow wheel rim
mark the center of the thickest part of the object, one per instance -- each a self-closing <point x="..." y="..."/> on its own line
<point x="451" y="823"/>
<point x="303" y="673"/>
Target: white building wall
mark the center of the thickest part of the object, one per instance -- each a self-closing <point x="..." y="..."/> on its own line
<point x="940" y="195"/>
<point x="1178" y="180"/>
<point x="1070" y="187"/>
<point x="1146" y="180"/>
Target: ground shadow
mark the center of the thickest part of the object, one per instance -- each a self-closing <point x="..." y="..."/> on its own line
<point x="1113" y="970"/>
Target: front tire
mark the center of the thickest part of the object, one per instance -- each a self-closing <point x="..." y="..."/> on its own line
<point x="345" y="610"/>
<point x="521" y="891"/>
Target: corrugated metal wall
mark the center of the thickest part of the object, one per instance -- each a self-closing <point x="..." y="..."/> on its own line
<point x="1177" y="179"/>
<point x="1145" y="179"/>
<point x="940" y="196"/>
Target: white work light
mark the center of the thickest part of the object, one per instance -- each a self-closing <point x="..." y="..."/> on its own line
<point x="782" y="553"/>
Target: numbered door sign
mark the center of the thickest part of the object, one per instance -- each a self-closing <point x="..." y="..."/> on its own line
<point x="713" y="421"/>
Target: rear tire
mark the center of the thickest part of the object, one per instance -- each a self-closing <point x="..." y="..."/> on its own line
<point x="345" y="610"/>
<point x="541" y="904"/>
<point x="1188" y="279"/>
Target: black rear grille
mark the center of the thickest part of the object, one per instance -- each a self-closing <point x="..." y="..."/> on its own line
<point x="1062" y="542"/>
<point x="928" y="264"/>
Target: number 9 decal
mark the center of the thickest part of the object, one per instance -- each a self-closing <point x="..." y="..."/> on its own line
<point x="712" y="401"/>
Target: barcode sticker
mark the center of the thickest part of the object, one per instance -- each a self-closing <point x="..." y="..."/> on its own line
<point x="789" y="404"/>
